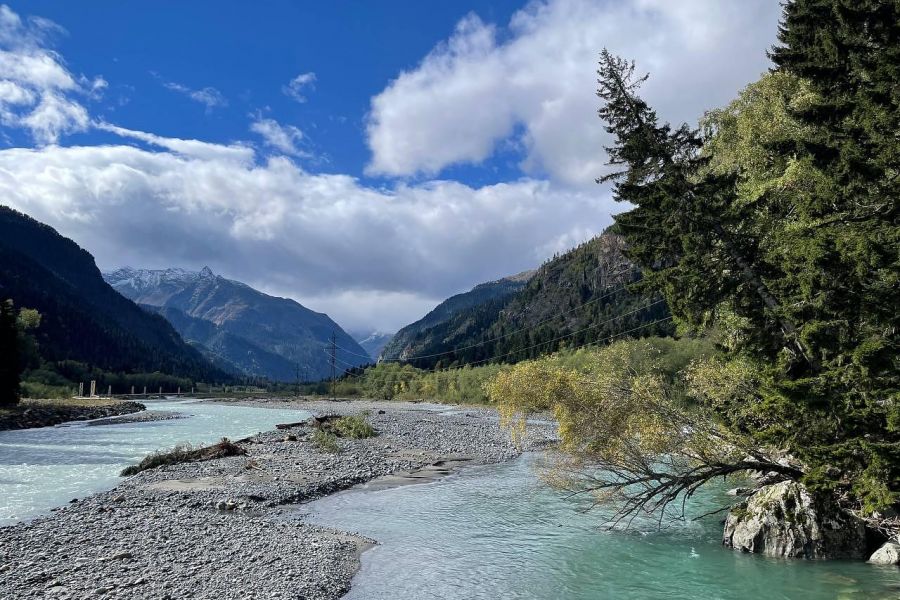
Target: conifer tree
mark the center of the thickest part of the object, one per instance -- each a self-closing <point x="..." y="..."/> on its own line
<point x="845" y="260"/>
<point x="807" y="266"/>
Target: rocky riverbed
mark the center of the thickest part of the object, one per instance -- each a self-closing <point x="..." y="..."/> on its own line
<point x="223" y="528"/>
<point x="45" y="413"/>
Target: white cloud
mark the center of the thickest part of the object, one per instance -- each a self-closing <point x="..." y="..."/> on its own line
<point x="208" y="96"/>
<point x="36" y="88"/>
<point x="281" y="137"/>
<point x="537" y="78"/>
<point x="365" y="255"/>
<point x="187" y="148"/>
<point x="297" y="86"/>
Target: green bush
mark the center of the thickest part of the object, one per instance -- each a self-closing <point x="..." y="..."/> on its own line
<point x="354" y="427"/>
<point x="36" y="389"/>
<point x="325" y="441"/>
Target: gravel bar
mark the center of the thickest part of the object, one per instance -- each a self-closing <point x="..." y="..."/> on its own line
<point x="221" y="529"/>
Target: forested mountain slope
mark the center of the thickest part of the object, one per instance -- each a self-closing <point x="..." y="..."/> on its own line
<point x="82" y="318"/>
<point x="577" y="298"/>
<point x="410" y="340"/>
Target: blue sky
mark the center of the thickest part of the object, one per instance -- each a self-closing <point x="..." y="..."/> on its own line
<point x="367" y="159"/>
<point x="248" y="52"/>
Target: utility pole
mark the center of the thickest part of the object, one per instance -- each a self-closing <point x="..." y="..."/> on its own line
<point x="333" y="349"/>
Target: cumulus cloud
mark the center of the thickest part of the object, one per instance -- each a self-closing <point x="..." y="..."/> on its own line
<point x="365" y="255"/>
<point x="375" y="257"/>
<point x="37" y="91"/>
<point x="210" y="97"/>
<point x="535" y="79"/>
<point x="297" y="86"/>
<point x="281" y="137"/>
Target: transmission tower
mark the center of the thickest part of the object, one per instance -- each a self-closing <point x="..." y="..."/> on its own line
<point x="333" y="349"/>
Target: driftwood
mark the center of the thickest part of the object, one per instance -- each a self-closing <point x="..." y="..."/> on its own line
<point x="314" y="422"/>
<point x="321" y="422"/>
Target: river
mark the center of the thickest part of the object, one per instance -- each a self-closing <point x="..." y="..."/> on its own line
<point x="46" y="467"/>
<point x="490" y="532"/>
<point x="496" y="532"/>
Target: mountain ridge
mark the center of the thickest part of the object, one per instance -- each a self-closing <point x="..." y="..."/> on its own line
<point x="256" y="334"/>
<point x="403" y="342"/>
<point x="578" y="297"/>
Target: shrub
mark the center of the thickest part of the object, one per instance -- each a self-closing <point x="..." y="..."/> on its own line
<point x="325" y="441"/>
<point x="354" y="427"/>
<point x="35" y="389"/>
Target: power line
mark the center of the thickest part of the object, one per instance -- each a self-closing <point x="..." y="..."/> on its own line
<point x="562" y="337"/>
<point x="499" y="337"/>
<point x="514" y="332"/>
<point x="559" y="338"/>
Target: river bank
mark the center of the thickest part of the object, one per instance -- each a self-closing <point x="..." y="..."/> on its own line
<point x="30" y="413"/>
<point x="223" y="528"/>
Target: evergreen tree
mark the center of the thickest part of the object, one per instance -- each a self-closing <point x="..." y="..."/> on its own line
<point x="846" y="260"/>
<point x="9" y="355"/>
<point x="800" y="263"/>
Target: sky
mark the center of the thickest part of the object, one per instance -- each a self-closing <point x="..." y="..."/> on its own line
<point x="367" y="159"/>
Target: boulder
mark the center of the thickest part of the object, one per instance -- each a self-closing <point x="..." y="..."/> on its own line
<point x="888" y="554"/>
<point x="785" y="520"/>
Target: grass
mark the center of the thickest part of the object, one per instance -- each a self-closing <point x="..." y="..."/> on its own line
<point x="326" y="441"/>
<point x="354" y="427"/>
<point x="185" y="453"/>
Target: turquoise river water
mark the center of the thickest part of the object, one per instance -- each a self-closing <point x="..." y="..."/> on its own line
<point x="496" y="532"/>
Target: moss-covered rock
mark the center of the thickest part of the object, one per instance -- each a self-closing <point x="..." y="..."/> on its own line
<point x="786" y="520"/>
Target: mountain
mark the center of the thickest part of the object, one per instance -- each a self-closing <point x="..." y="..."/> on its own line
<point x="372" y="342"/>
<point x="411" y="339"/>
<point x="240" y="328"/>
<point x="577" y="298"/>
<point x="82" y="318"/>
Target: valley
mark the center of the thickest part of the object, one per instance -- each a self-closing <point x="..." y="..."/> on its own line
<point x="511" y="299"/>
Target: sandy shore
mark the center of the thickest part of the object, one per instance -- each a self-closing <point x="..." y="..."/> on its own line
<point x="220" y="529"/>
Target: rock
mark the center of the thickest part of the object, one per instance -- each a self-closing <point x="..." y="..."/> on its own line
<point x="785" y="520"/>
<point x="226" y="505"/>
<point x="739" y="491"/>
<point x="888" y="554"/>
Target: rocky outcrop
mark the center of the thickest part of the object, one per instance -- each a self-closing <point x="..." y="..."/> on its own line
<point x="888" y="554"/>
<point x="786" y="520"/>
